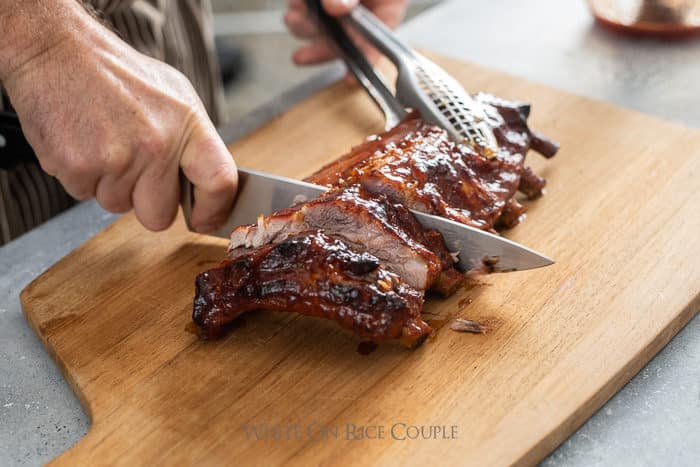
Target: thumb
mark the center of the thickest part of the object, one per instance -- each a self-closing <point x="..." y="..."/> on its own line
<point x="210" y="167"/>
<point x="339" y="7"/>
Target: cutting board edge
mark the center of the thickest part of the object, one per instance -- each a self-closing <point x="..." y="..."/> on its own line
<point x="609" y="389"/>
<point x="50" y="349"/>
<point x="25" y="300"/>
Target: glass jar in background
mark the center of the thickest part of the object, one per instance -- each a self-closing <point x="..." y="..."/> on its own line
<point x="670" y="18"/>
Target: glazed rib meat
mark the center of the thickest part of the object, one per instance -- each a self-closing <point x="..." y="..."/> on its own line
<point x="387" y="231"/>
<point x="314" y="274"/>
<point x="356" y="254"/>
<point x="417" y="165"/>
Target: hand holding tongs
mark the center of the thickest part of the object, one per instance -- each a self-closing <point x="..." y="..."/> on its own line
<point x="420" y="84"/>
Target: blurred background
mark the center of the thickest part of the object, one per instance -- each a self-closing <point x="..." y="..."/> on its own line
<point x="252" y="34"/>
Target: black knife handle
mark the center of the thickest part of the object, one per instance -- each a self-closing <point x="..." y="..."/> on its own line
<point x="14" y="148"/>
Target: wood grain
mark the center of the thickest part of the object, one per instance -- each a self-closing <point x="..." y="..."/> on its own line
<point x="620" y="217"/>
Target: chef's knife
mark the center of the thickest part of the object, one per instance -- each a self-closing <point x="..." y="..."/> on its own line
<point x="261" y="193"/>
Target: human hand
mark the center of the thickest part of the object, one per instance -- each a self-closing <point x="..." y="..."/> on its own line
<point x="112" y="123"/>
<point x="318" y="49"/>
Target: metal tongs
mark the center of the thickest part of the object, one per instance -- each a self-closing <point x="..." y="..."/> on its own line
<point x="420" y="83"/>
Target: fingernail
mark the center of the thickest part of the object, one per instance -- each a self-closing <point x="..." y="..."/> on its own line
<point x="344" y="5"/>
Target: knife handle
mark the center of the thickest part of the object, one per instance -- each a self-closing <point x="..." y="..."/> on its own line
<point x="14" y="148"/>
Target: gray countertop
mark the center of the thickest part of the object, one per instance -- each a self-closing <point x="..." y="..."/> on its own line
<point x="653" y="420"/>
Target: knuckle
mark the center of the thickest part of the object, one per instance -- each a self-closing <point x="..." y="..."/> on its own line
<point x="114" y="202"/>
<point x="117" y="161"/>
<point x="79" y="187"/>
<point x="208" y="144"/>
<point x="80" y="196"/>
<point x="191" y="168"/>
<point x="186" y="95"/>
<point x="191" y="112"/>
<point x="153" y="146"/>
<point x="78" y="165"/>
<point x="177" y="75"/>
<point x="81" y="193"/>
<point x="224" y="178"/>
<point x="197" y="154"/>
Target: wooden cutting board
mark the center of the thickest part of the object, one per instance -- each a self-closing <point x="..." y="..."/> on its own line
<point x="621" y="217"/>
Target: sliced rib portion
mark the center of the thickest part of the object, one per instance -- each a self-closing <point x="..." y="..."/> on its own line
<point x="387" y="231"/>
<point x="417" y="165"/>
<point x="314" y="274"/>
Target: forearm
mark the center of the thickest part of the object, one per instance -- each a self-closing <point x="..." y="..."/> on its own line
<point x="32" y="28"/>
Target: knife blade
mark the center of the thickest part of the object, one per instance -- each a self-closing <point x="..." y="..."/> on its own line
<point x="262" y="193"/>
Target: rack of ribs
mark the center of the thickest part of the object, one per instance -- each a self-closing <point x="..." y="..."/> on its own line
<point x="416" y="164"/>
<point x="356" y="254"/>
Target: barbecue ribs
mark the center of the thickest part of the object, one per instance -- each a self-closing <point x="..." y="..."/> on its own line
<point x="388" y="231"/>
<point x="316" y="274"/>
<point x="356" y="255"/>
<point x="417" y="165"/>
